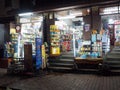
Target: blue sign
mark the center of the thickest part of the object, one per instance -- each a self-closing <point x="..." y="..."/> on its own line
<point x="38" y="53"/>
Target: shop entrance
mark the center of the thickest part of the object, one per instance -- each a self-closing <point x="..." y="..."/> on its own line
<point x="71" y="31"/>
<point x="112" y="24"/>
<point x="66" y="38"/>
<point x="70" y="34"/>
<point x="66" y="41"/>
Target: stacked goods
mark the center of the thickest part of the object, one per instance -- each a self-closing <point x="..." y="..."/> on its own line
<point x="117" y="43"/>
<point x="55" y="40"/>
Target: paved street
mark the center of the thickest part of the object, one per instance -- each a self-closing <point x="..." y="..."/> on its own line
<point x="62" y="81"/>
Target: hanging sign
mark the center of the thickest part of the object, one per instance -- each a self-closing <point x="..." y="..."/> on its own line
<point x="18" y="28"/>
<point x="87" y="27"/>
<point x="38" y="53"/>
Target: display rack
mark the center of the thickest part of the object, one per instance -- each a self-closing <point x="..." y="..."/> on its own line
<point x="14" y="42"/>
<point x="97" y="48"/>
<point x="96" y="45"/>
<point x="14" y="37"/>
<point x="105" y="45"/>
<point x="66" y="42"/>
<point x="85" y="49"/>
<point x="55" y="40"/>
<point x="30" y="31"/>
<point x="28" y="36"/>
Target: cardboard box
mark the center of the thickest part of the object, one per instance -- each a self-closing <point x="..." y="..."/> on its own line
<point x="117" y="43"/>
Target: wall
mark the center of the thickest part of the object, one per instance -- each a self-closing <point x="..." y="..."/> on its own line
<point x="4" y="33"/>
<point x="96" y="18"/>
<point x="2" y="8"/>
<point x="2" y="28"/>
<point x="10" y="10"/>
<point x="65" y="4"/>
<point x="7" y="32"/>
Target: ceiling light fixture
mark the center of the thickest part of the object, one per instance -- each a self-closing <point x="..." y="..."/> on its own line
<point x="25" y="14"/>
<point x="66" y="17"/>
<point x="76" y="14"/>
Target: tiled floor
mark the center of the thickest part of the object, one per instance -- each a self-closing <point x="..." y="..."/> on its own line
<point x="63" y="81"/>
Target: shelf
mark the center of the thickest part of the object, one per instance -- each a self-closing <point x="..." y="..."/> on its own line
<point x="14" y="40"/>
<point x="54" y="55"/>
<point x="55" y="46"/>
<point x="85" y="50"/>
<point x="28" y="33"/>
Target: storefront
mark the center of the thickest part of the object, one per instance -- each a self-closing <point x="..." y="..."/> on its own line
<point x="111" y="25"/>
<point x="72" y="35"/>
<point x="66" y="32"/>
<point x="88" y="33"/>
<point x="111" y="22"/>
<point x="71" y="26"/>
<point x="27" y="41"/>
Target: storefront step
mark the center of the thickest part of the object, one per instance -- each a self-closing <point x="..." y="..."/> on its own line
<point x="60" y="68"/>
<point x="61" y="64"/>
<point x="116" y="50"/>
<point x="116" y="67"/>
<point x="113" y="62"/>
<point x="70" y="52"/>
<point x="67" y="56"/>
<point x="113" y="56"/>
<point x="67" y="60"/>
<point x="113" y="59"/>
<point x="64" y="61"/>
<point x="115" y="70"/>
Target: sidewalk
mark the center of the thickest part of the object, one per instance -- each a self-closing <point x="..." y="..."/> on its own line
<point x="62" y="81"/>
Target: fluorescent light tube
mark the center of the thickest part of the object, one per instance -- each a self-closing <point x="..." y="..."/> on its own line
<point x="25" y="14"/>
<point x="66" y="17"/>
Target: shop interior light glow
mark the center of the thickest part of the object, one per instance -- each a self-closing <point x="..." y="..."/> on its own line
<point x="76" y="14"/>
<point x="83" y="23"/>
<point x="25" y="14"/>
<point x="110" y="10"/>
<point x="110" y="21"/>
<point x="67" y="17"/>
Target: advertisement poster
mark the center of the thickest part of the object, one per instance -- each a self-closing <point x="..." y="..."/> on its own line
<point x="93" y="37"/>
<point x="87" y="27"/>
<point x="18" y="28"/>
<point x="99" y="37"/>
<point x="38" y="53"/>
<point x="43" y="57"/>
<point x="104" y="38"/>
